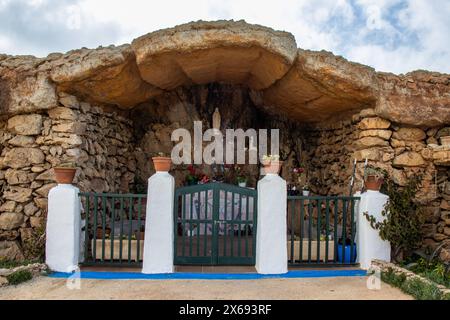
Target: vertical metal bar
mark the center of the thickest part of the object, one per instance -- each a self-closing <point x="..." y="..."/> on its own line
<point x="130" y="226"/>
<point x="327" y="227"/>
<point x="205" y="235"/>
<point x="336" y="215"/>
<point x="319" y="213"/>
<point x="225" y="227"/>
<point x="175" y="224"/>
<point x="190" y="223"/>
<point x="247" y="206"/>
<point x="183" y="223"/>
<point x="86" y="228"/>
<point x="94" y="258"/>
<point x="309" y="230"/>
<point x="103" y="226"/>
<point x="198" y="222"/>
<point x="254" y="225"/>
<point x="121" y="230"/>
<point x="292" y="204"/>
<point x="215" y="236"/>
<point x="232" y="225"/>
<point x="302" y="225"/>
<point x="352" y="213"/>
<point x="344" y="227"/>
<point x="240" y="225"/>
<point x="138" y="238"/>
<point x="113" y="217"/>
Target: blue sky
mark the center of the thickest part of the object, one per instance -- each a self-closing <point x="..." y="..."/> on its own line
<point x="390" y="35"/>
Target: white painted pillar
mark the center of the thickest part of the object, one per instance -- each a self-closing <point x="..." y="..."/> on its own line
<point x="62" y="247"/>
<point x="271" y="252"/>
<point x="369" y="245"/>
<point x="159" y="234"/>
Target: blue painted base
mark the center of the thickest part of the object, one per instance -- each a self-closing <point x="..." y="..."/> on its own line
<point x="208" y="276"/>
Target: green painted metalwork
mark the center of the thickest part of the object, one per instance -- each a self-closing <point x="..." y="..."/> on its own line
<point x="319" y="212"/>
<point x="113" y="210"/>
<point x="226" y="235"/>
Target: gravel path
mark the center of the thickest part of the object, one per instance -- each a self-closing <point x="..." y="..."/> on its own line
<point x="345" y="288"/>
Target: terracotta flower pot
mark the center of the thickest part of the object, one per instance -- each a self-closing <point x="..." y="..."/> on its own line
<point x="445" y="140"/>
<point x="162" y="163"/>
<point x="373" y="183"/>
<point x="272" y="166"/>
<point x="64" y="175"/>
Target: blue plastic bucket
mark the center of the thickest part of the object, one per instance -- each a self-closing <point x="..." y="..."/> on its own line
<point x="347" y="254"/>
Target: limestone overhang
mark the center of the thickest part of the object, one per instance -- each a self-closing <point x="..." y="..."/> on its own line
<point x="307" y="86"/>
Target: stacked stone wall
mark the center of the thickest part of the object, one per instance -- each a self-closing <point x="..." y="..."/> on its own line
<point x="31" y="145"/>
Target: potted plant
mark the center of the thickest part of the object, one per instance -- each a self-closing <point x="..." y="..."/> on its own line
<point x="374" y="178"/>
<point x="100" y="234"/>
<point x="305" y="190"/>
<point x="241" y="181"/>
<point x="204" y="179"/>
<point x="191" y="177"/>
<point x="162" y="162"/>
<point x="271" y="164"/>
<point x="65" y="173"/>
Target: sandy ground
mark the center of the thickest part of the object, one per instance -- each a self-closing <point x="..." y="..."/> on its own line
<point x="353" y="288"/>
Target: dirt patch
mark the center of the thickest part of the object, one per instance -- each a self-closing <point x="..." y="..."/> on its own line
<point x="340" y="288"/>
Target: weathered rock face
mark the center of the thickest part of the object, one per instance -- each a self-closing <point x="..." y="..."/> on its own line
<point x="222" y="51"/>
<point x="23" y="87"/>
<point x="320" y="85"/>
<point x="307" y="86"/>
<point x="419" y="98"/>
<point x="107" y="75"/>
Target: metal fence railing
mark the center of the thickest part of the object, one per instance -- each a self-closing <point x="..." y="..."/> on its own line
<point x="321" y="230"/>
<point x="114" y="228"/>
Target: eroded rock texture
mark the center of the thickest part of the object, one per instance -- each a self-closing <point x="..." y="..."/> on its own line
<point x="305" y="85"/>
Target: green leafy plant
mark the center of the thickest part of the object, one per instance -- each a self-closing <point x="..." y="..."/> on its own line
<point x="18" y="277"/>
<point x="429" y="266"/>
<point x="375" y="171"/>
<point x="67" y="165"/>
<point x="403" y="218"/>
<point x="416" y="287"/>
<point x="161" y="154"/>
<point x="270" y="157"/>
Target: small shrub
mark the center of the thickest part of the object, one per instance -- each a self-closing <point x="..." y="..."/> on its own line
<point x="416" y="287"/>
<point x="10" y="264"/>
<point x="19" y="277"/>
<point x="403" y="218"/>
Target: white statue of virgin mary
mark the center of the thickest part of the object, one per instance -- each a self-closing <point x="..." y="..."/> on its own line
<point x="216" y="119"/>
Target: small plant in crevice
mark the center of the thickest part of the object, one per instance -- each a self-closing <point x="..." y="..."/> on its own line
<point x="403" y="219"/>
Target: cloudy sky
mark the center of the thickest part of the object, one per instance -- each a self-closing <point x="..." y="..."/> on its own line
<point x="389" y="35"/>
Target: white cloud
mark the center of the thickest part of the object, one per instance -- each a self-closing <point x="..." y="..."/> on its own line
<point x="390" y="35"/>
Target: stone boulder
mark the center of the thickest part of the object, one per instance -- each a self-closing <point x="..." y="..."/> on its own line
<point x="10" y="250"/>
<point x="107" y="75"/>
<point x="220" y="51"/>
<point x="10" y="220"/>
<point x="30" y="124"/>
<point x="22" y="157"/>
<point x="23" y="87"/>
<point x="408" y="159"/>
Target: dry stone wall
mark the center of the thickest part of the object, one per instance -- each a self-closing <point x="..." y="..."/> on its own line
<point x="31" y="145"/>
<point x="402" y="151"/>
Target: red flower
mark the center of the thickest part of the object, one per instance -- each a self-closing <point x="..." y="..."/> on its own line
<point x="191" y="169"/>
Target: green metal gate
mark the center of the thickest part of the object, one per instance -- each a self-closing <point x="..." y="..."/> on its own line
<point x="215" y="224"/>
